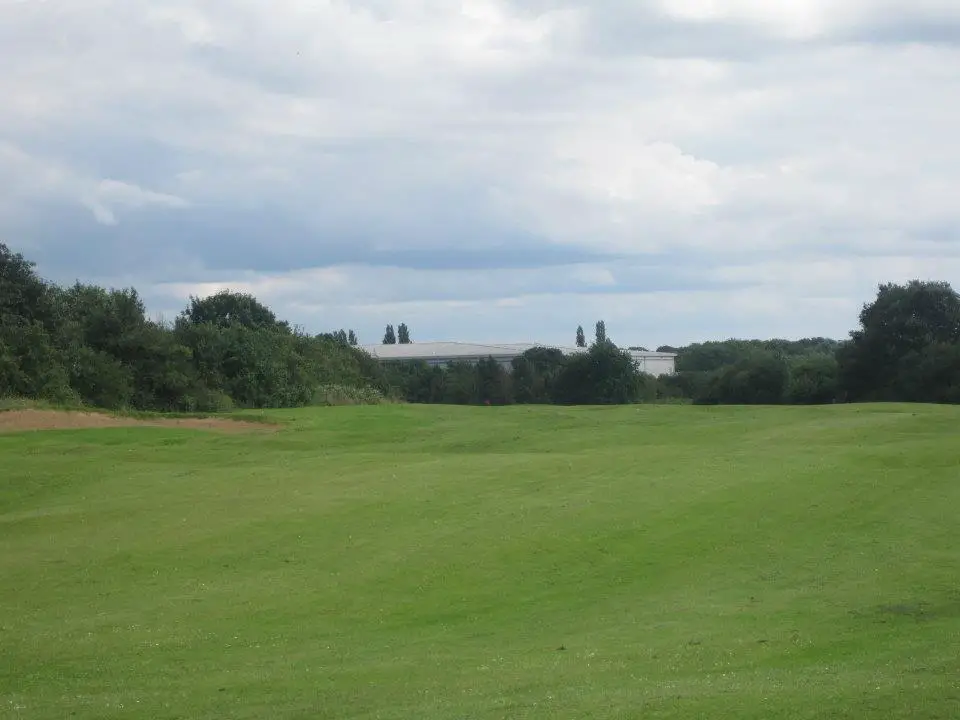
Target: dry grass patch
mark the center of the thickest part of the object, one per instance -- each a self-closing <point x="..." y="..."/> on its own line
<point x="31" y="419"/>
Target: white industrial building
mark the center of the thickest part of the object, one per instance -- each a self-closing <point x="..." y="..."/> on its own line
<point x="444" y="353"/>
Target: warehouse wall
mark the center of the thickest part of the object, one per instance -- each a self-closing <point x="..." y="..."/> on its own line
<point x="653" y="365"/>
<point x="656" y="365"/>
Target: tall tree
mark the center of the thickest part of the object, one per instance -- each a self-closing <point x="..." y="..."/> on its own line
<point x="604" y="375"/>
<point x="601" y="332"/>
<point x="389" y="336"/>
<point x="227" y="308"/>
<point x="896" y="329"/>
<point x="24" y="297"/>
<point x="403" y="334"/>
<point x="813" y="379"/>
<point x="493" y="383"/>
<point x="581" y="338"/>
<point x="351" y="338"/>
<point x="535" y="374"/>
<point x="757" y="379"/>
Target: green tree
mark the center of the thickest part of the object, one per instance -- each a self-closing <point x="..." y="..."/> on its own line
<point x="460" y="386"/>
<point x="601" y="332"/>
<point x="812" y="380"/>
<point x="493" y="383"/>
<point x="100" y="318"/>
<point x="535" y="374"/>
<point x="24" y="297"/>
<point x="581" y="338"/>
<point x="31" y="364"/>
<point x="227" y="308"/>
<point x="31" y="361"/>
<point x="931" y="374"/>
<point x="403" y="334"/>
<point x="898" y="327"/>
<point x="96" y="345"/>
<point x="415" y="382"/>
<point x="758" y="379"/>
<point x="389" y="336"/>
<point x="604" y="375"/>
<point x="351" y="338"/>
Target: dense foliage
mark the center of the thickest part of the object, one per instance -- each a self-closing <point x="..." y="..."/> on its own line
<point x="907" y="349"/>
<point x="602" y="375"/>
<point x="86" y="344"/>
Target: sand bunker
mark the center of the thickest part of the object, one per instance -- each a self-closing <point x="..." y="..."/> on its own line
<point x="23" y="420"/>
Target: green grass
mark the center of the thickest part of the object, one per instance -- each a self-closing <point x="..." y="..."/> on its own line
<point x="426" y="562"/>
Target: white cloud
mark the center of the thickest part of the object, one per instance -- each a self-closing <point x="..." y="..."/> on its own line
<point x="808" y="19"/>
<point x="29" y="178"/>
<point x="103" y="197"/>
<point x="810" y="295"/>
<point x="731" y="138"/>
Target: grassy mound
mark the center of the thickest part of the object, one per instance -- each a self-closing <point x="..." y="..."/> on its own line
<point x="426" y="562"/>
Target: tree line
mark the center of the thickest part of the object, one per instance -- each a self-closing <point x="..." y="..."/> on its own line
<point x="86" y="344"/>
<point x="603" y="374"/>
<point x="906" y="349"/>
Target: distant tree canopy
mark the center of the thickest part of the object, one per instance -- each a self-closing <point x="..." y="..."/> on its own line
<point x="760" y="378"/>
<point x="96" y="346"/>
<point x="344" y="337"/>
<point x="602" y="375"/>
<point x="389" y="336"/>
<point x="535" y="375"/>
<point x="600" y="332"/>
<point x="906" y="348"/>
<point x="812" y="379"/>
<point x="227" y="309"/>
<point x="87" y="344"/>
<point x="581" y="338"/>
<point x="403" y="334"/>
<point x="713" y="355"/>
<point x="24" y="298"/>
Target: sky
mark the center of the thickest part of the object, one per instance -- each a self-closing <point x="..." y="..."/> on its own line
<point x="489" y="170"/>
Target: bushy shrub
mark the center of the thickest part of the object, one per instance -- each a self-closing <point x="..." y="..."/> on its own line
<point x="813" y="380"/>
<point x="604" y="375"/>
<point x="759" y="379"/>
<point x="31" y="365"/>
<point x="931" y="374"/>
<point x="99" y="378"/>
<point x="206" y="400"/>
<point x="333" y="394"/>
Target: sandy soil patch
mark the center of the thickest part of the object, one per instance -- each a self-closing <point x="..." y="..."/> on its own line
<point x="29" y="419"/>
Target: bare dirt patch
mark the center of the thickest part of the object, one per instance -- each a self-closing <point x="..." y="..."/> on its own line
<point x="32" y="419"/>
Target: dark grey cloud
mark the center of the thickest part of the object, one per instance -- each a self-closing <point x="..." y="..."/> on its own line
<point x="196" y="244"/>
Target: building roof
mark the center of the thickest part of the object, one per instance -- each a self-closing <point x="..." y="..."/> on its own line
<point x="423" y="350"/>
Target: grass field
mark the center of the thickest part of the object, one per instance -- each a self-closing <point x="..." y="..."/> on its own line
<point x="428" y="562"/>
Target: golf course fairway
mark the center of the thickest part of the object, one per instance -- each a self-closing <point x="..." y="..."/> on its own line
<point x="432" y="562"/>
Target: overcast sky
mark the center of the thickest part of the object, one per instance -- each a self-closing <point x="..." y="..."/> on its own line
<point x="489" y="169"/>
